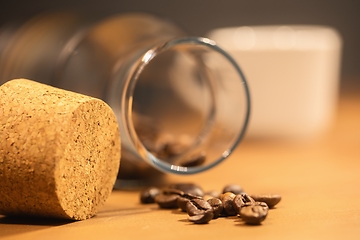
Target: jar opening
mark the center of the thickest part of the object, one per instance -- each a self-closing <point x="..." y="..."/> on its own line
<point x="188" y="105"/>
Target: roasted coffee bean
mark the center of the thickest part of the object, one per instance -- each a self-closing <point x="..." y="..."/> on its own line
<point x="216" y="205"/>
<point x="197" y="206"/>
<point x="172" y="191"/>
<point x="178" y="145"/>
<point x="148" y="195"/>
<point x="183" y="199"/>
<point x="181" y="202"/>
<point x="193" y="160"/>
<point x="227" y="200"/>
<point x="202" y="204"/>
<point x="234" y="188"/>
<point x="270" y="199"/>
<point x="254" y="213"/>
<point x="202" y="218"/>
<point x="189" y="188"/>
<point x="192" y="209"/>
<point x="240" y="200"/>
<point x="191" y="196"/>
<point x="167" y="200"/>
<point x="262" y="204"/>
<point x="160" y="143"/>
<point x="158" y="147"/>
<point x="151" y="138"/>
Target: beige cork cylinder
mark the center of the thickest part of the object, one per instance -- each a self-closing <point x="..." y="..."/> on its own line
<point x="59" y="151"/>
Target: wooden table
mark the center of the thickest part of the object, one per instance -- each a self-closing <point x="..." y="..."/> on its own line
<point x="319" y="182"/>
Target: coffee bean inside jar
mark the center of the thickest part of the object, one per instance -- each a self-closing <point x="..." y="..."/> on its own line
<point x="167" y="146"/>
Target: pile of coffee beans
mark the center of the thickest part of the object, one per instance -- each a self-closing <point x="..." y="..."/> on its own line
<point x="202" y="206"/>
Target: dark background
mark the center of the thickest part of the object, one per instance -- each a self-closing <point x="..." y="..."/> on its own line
<point x="198" y="17"/>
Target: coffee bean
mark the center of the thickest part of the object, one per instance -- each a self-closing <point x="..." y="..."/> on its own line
<point x="194" y="160"/>
<point x="254" y="213"/>
<point x="192" y="209"/>
<point x="164" y="145"/>
<point x="240" y="200"/>
<point x="179" y="145"/>
<point x="227" y="200"/>
<point x="160" y="143"/>
<point x="183" y="199"/>
<point x="202" y="218"/>
<point x="270" y="199"/>
<point x="167" y="200"/>
<point x="199" y="210"/>
<point x="234" y="188"/>
<point x="202" y="204"/>
<point x="189" y="188"/>
<point x="172" y="191"/>
<point x="216" y="205"/>
<point x="181" y="202"/>
<point x="197" y="206"/>
<point x="191" y="196"/>
<point x="263" y="204"/>
<point x="148" y="195"/>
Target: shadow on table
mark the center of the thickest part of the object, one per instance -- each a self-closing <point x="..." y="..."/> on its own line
<point x="122" y="212"/>
<point x="10" y="225"/>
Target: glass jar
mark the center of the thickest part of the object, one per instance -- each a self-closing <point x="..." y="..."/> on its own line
<point x="178" y="109"/>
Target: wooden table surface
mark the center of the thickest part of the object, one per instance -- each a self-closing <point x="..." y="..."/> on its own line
<point x="319" y="182"/>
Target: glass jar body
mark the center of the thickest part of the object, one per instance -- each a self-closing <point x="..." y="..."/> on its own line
<point x="177" y="109"/>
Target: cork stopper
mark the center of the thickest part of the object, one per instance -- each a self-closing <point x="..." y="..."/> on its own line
<point x="59" y="151"/>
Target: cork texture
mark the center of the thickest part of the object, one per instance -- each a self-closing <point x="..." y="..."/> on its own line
<point x="59" y="151"/>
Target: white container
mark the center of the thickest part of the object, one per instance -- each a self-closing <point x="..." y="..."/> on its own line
<point x="293" y="76"/>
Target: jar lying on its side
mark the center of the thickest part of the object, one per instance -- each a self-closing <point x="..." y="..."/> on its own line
<point x="178" y="109"/>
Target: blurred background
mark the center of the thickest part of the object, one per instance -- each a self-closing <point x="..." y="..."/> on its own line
<point x="198" y="17"/>
<point x="297" y="110"/>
